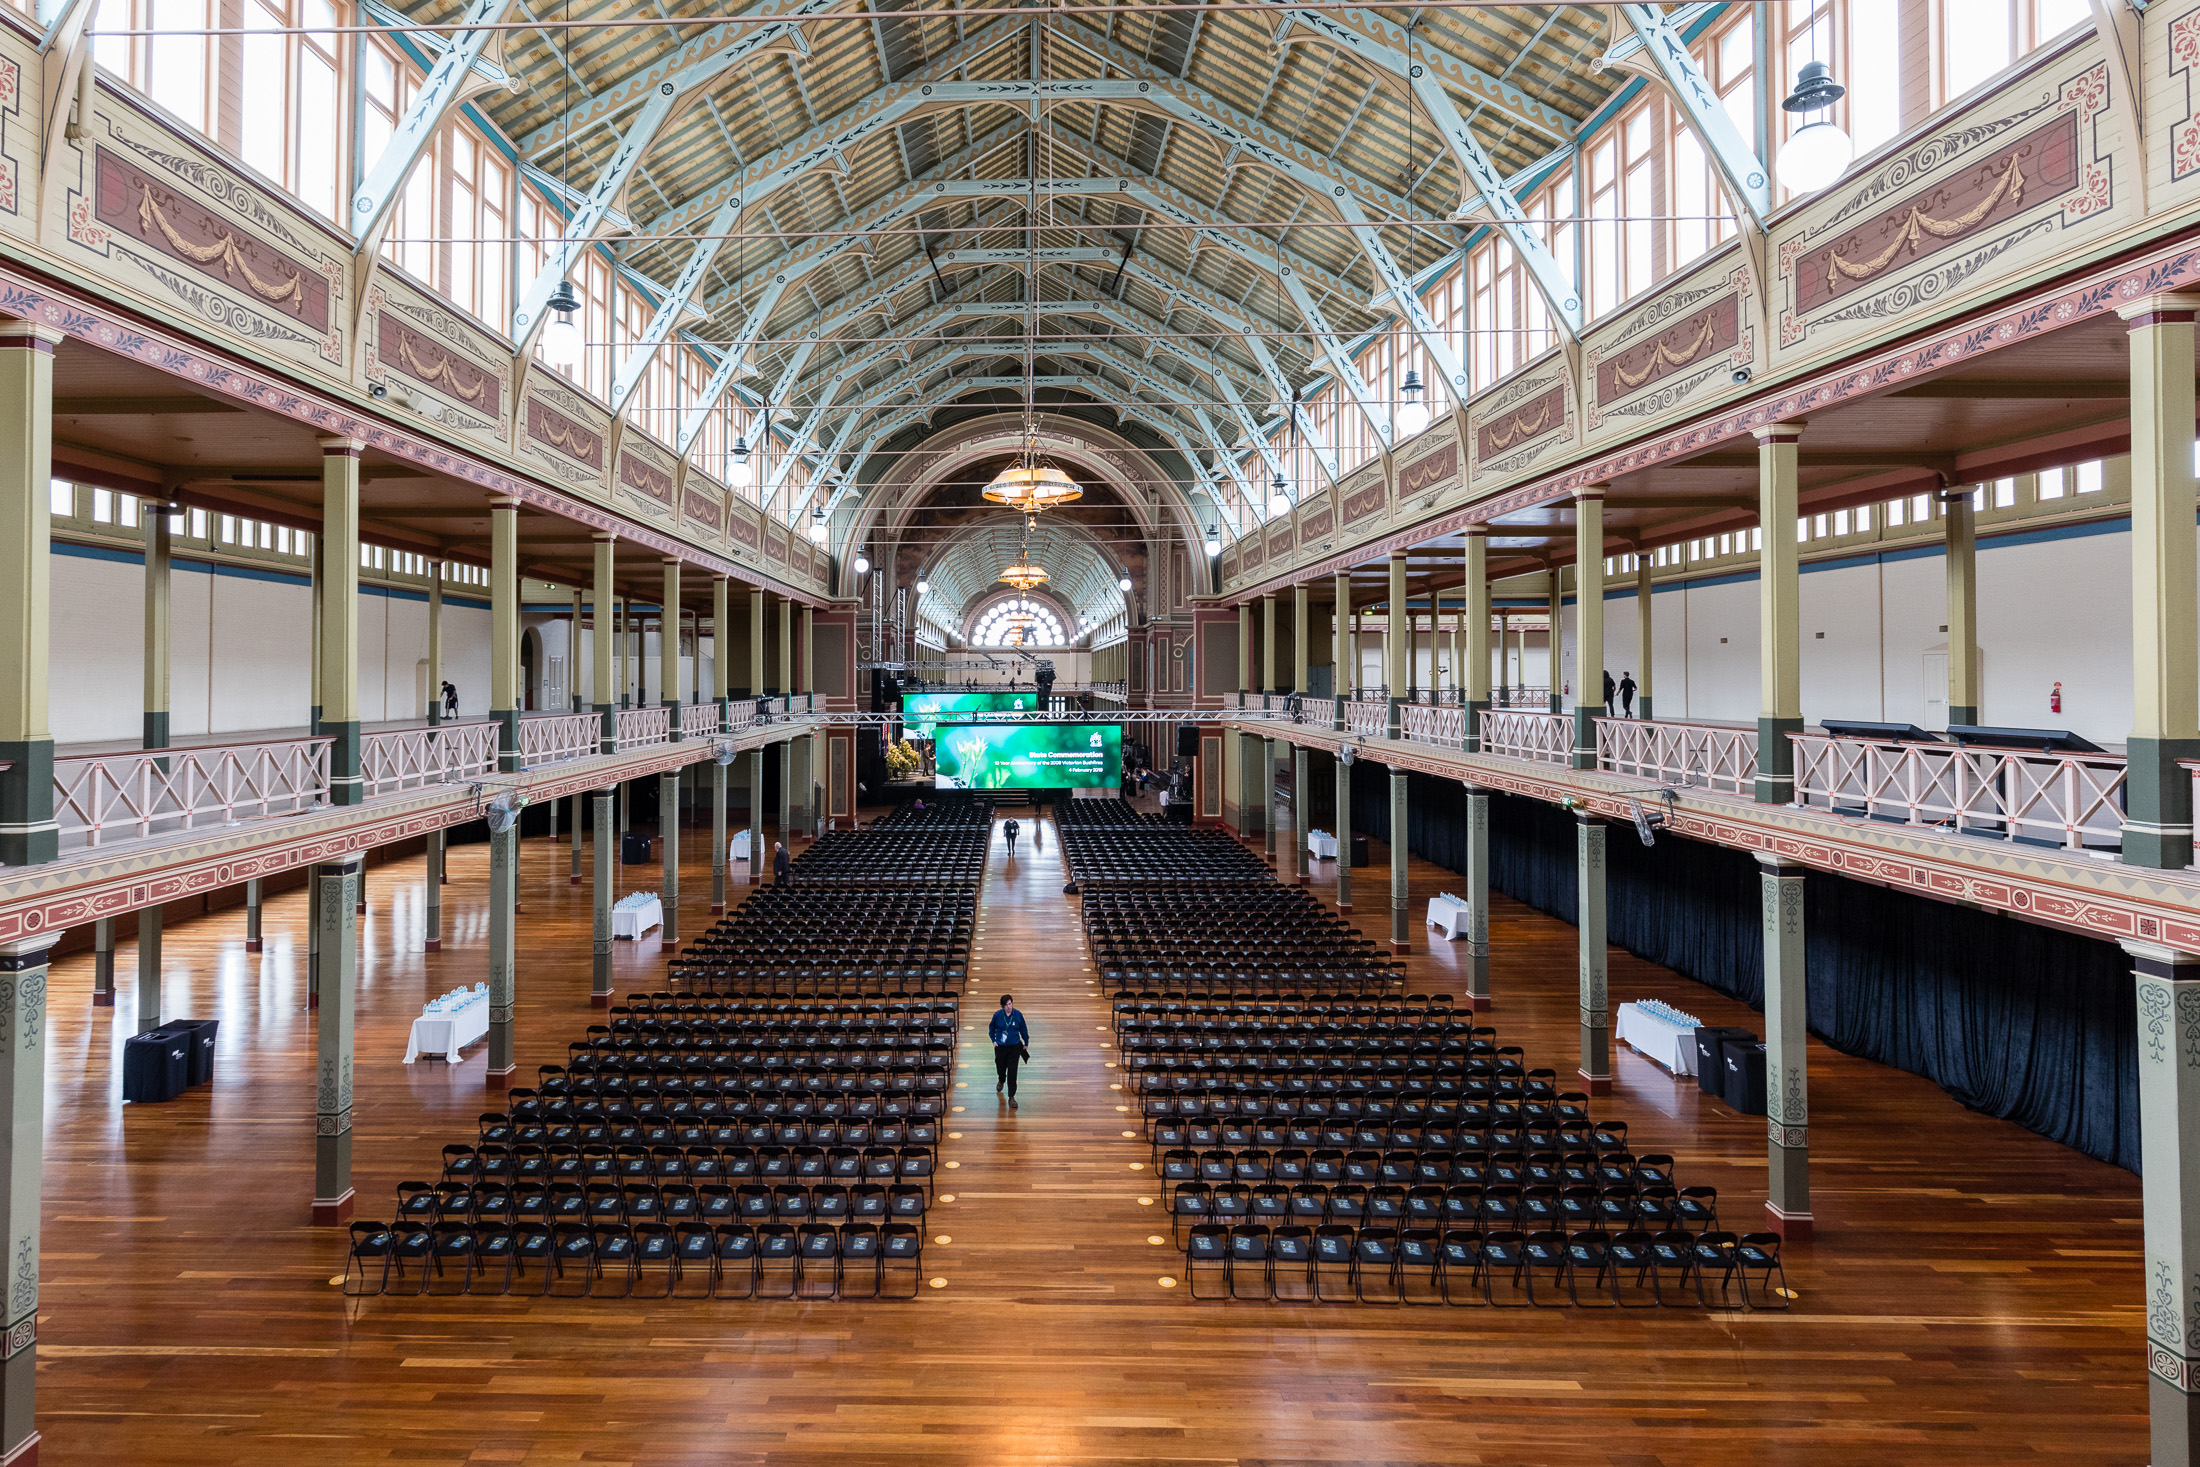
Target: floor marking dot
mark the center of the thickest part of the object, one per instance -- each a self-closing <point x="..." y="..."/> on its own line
<point x="953" y="1164"/>
<point x="947" y="1197"/>
<point x="1130" y="1133"/>
<point x="1166" y="1282"/>
<point x="939" y="1283"/>
<point x="1155" y="1238"/>
<point x="960" y="1109"/>
<point x="954" y="1135"/>
<point x="943" y="1238"/>
<point x="1136" y="1166"/>
<point x="1145" y="1202"/>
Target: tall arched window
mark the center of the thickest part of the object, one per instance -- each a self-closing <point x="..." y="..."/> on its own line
<point x="1018" y="622"/>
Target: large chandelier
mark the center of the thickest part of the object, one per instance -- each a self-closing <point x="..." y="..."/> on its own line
<point x="1025" y="573"/>
<point x="1032" y="486"/>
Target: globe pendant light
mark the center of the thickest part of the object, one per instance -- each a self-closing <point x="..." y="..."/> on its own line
<point x="561" y="339"/>
<point x="1214" y="541"/>
<point x="863" y="564"/>
<point x="818" y="529"/>
<point x="740" y="472"/>
<point x="1819" y="152"/>
<point x="1412" y="414"/>
<point x="1279" y="496"/>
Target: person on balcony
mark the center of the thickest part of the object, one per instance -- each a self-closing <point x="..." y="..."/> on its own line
<point x="1627" y="695"/>
<point x="450" y="699"/>
<point x="1611" y="691"/>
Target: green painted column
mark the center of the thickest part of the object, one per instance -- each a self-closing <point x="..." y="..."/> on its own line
<point x="1474" y="635"/>
<point x="2168" y="993"/>
<point x="1554" y="650"/>
<point x="503" y="975"/>
<point x="2165" y="630"/>
<point x="783" y="684"/>
<point x="340" y="616"/>
<point x="1343" y="768"/>
<point x="1396" y="674"/>
<point x="1779" y="615"/>
<point x="318" y="585"/>
<point x="668" y="651"/>
<point x="1245" y="650"/>
<point x="159" y="538"/>
<point x="602" y="650"/>
<point x="573" y="660"/>
<point x="721" y="676"/>
<point x="1588" y="622"/>
<point x="336" y="884"/>
<point x="103" y="963"/>
<point x="1787" y="1077"/>
<point x="1401" y="841"/>
<point x="573" y="873"/>
<point x="28" y="834"/>
<point x="1301" y="817"/>
<point x="1477" y="875"/>
<point x="435" y="641"/>
<point x="1343" y="624"/>
<point x="1589" y="927"/>
<point x="759" y="673"/>
<point x="438" y="855"/>
<point x="668" y="833"/>
<point x="786" y="791"/>
<point x="1268" y="639"/>
<point x="253" y="941"/>
<point x="605" y="849"/>
<point x="759" y="858"/>
<point x="1504" y="663"/>
<point x="504" y="695"/>
<point x="1645" y="654"/>
<point x="313" y="940"/>
<point x="23" y="1094"/>
<point x="1960" y="522"/>
<point x="149" y="967"/>
<point x="1269" y="749"/>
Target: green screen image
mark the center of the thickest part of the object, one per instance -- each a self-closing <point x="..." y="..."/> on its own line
<point x="1024" y="756"/>
<point x="920" y="711"/>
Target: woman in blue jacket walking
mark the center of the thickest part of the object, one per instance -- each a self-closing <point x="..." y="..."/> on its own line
<point x="1011" y="1043"/>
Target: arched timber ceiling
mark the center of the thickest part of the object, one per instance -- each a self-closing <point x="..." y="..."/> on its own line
<point x="800" y="188"/>
<point x="966" y="567"/>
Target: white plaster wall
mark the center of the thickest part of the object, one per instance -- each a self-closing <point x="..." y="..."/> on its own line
<point x="241" y="655"/>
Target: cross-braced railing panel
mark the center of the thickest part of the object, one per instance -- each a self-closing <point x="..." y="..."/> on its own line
<point x="1699" y="755"/>
<point x="1547" y="738"/>
<point x="559" y="736"/>
<point x="1424" y="723"/>
<point x="2070" y="800"/>
<point x="641" y="727"/>
<point x="698" y="720"/>
<point x="1367" y="720"/>
<point x="102" y="797"/>
<point x="1316" y="712"/>
<point x="413" y="758"/>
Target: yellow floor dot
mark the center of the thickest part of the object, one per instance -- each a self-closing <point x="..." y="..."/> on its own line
<point x="1145" y="1202"/>
<point x="943" y="1238"/>
<point x="960" y="1109"/>
<point x="1116" y="1087"/>
<point x="338" y="1280"/>
<point x="1136" y="1166"/>
<point x="939" y="1283"/>
<point x="1130" y="1133"/>
<point x="954" y="1135"/>
<point x="1155" y="1238"/>
<point x="1122" y="1107"/>
<point x="947" y="1197"/>
<point x="1166" y="1282"/>
<point x="953" y="1164"/>
<point x="962" y="1084"/>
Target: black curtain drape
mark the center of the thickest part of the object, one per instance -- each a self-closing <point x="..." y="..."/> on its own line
<point x="2016" y="1021"/>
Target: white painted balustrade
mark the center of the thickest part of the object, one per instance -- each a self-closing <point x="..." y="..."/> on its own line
<point x="2070" y="800"/>
<point x="105" y="797"/>
<point x="1424" y="723"/>
<point x="552" y="738"/>
<point x="414" y="758"/>
<point x="1699" y="755"/>
<point x="641" y="727"/>
<point x="1546" y="738"/>
<point x="1367" y="720"/>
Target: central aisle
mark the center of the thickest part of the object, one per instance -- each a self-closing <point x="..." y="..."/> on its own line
<point x="1018" y="1176"/>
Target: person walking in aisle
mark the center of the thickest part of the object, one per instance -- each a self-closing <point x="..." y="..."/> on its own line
<point x="1010" y="830"/>
<point x="780" y="864"/>
<point x="1011" y="1045"/>
<point x="1627" y="695"/>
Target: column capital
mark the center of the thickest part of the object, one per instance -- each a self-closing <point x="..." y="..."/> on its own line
<point x="1773" y="865"/>
<point x="1476" y="532"/>
<point x="27" y="952"/>
<point x="1591" y="491"/>
<point x="2160" y="308"/>
<point x="30" y="336"/>
<point x="603" y="537"/>
<point x="2161" y="961"/>
<point x="342" y="447"/>
<point x="505" y="501"/>
<point x="1783" y="432"/>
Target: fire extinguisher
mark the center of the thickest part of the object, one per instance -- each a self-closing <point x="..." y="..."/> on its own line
<point x="2054" y="700"/>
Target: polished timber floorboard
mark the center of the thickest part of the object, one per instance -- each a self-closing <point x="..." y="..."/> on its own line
<point x="1973" y="1296"/>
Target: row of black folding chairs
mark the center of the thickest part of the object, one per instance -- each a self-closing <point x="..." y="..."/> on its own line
<point x="676" y="1090"/>
<point x="909" y="1155"/>
<point x="1248" y="978"/>
<point x="808" y="1031"/>
<point x="912" y="1047"/>
<point x="665" y="1002"/>
<point x="793" y="981"/>
<point x="1277" y="1005"/>
<point x="688" y="1259"/>
<point x="1413" y="1121"/>
<point x="1634" y="1268"/>
<point x="628" y="1200"/>
<point x="1501" y="1168"/>
<point x="1202" y="1089"/>
<point x="1453" y="1208"/>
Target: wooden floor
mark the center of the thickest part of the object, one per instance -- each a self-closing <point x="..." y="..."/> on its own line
<point x="1973" y="1296"/>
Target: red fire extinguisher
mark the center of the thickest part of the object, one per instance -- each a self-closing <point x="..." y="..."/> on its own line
<point x="2054" y="700"/>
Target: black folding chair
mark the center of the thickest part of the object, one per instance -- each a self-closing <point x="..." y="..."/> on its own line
<point x="372" y="1243"/>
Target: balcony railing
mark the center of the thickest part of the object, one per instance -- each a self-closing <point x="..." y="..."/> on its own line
<point x="698" y="720"/>
<point x="2070" y="800"/>
<point x="1699" y="755"/>
<point x="1531" y="700"/>
<point x="641" y="727"/>
<point x="413" y="758"/>
<point x="1367" y="720"/>
<point x="555" y="737"/>
<point x="102" y="797"/>
<point x="1425" y="723"/>
<point x="1547" y="738"/>
<point x="1316" y="712"/>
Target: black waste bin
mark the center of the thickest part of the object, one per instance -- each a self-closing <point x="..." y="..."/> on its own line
<point x="1745" y="1076"/>
<point x="1359" y="850"/>
<point x="634" y="849"/>
<point x="156" y="1065"/>
<point x="201" y="1035"/>
<point x="1710" y="1063"/>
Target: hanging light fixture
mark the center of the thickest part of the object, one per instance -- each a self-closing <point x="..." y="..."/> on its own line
<point x="1025" y="574"/>
<point x="561" y="339"/>
<point x="1032" y="485"/>
<point x="924" y="587"/>
<point x="1279" y="496"/>
<point x="818" y="529"/>
<point x="1214" y="541"/>
<point x="863" y="564"/>
<point x="1819" y="152"/>
<point x="739" y="472"/>
<point x="1412" y="414"/>
<point x="1123" y="584"/>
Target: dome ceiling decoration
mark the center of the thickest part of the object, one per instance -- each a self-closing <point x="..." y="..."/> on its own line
<point x="1186" y="217"/>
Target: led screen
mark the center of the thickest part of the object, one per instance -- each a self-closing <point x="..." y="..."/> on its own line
<point x="1026" y="756"/>
<point x="919" y="709"/>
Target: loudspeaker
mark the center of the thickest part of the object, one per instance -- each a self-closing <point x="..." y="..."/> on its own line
<point x="1710" y="1061"/>
<point x="1745" y="1075"/>
<point x="1187" y="741"/>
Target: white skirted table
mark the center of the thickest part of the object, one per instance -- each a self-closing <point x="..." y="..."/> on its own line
<point x="636" y="914"/>
<point x="449" y="1024"/>
<point x="1446" y="914"/>
<point x="1321" y="845"/>
<point x="1671" y="1044"/>
<point x="737" y="846"/>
